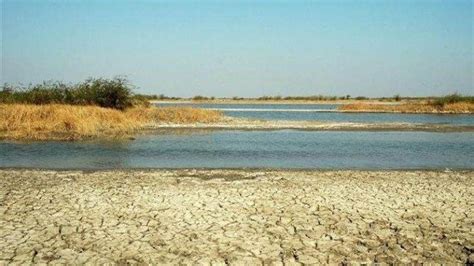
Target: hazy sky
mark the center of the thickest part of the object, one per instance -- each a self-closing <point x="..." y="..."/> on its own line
<point x="245" y="48"/>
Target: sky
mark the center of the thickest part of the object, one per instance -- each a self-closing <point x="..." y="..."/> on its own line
<point x="244" y="48"/>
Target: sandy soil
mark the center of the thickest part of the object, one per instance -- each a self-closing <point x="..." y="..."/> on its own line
<point x="254" y="124"/>
<point x="236" y="217"/>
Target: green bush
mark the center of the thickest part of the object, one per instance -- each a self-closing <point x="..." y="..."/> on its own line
<point x="110" y="93"/>
<point x="300" y="98"/>
<point x="452" y="98"/>
<point x="115" y="93"/>
<point x="200" y="98"/>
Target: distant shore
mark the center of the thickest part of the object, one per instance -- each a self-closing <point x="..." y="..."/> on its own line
<point x="443" y="106"/>
<point x="236" y="217"/>
<point x="256" y="101"/>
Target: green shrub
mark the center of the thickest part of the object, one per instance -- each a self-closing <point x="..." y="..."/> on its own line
<point x="110" y="93"/>
<point x="200" y="98"/>
<point x="115" y="93"/>
<point x="452" y="98"/>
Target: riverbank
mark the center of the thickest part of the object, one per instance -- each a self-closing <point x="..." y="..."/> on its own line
<point x="236" y="216"/>
<point x="265" y="102"/>
<point x="439" y="106"/>
<point x="77" y="122"/>
<point x="410" y="108"/>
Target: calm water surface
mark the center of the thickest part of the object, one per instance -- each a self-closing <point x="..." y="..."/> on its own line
<point x="324" y="112"/>
<point x="274" y="149"/>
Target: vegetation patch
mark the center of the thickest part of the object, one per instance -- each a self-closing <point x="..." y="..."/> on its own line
<point x="454" y="103"/>
<point x="65" y="122"/>
<point x="72" y="122"/>
<point x="113" y="93"/>
<point x="90" y="109"/>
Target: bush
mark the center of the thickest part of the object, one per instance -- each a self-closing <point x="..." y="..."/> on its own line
<point x="452" y="98"/>
<point x="110" y="93"/>
<point x="300" y="98"/>
<point x="47" y="92"/>
<point x="115" y="93"/>
<point x="200" y="98"/>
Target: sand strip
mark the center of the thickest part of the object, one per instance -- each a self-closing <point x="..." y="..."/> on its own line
<point x="230" y="123"/>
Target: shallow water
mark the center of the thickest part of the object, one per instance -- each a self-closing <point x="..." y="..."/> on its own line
<point x="273" y="149"/>
<point x="325" y="112"/>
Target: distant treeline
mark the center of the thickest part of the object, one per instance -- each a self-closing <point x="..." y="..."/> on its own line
<point x="157" y="97"/>
<point x="441" y="100"/>
<point x="304" y="98"/>
<point x="298" y="98"/>
<point x="292" y="98"/>
<point x="279" y="98"/>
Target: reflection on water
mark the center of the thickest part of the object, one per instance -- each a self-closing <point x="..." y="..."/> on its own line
<point x="57" y="154"/>
<point x="273" y="149"/>
<point x="316" y="112"/>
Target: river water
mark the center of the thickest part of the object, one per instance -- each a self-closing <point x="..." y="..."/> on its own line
<point x="267" y="149"/>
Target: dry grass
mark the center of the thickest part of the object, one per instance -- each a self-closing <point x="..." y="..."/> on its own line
<point x="68" y="122"/>
<point x="454" y="108"/>
<point x="176" y="115"/>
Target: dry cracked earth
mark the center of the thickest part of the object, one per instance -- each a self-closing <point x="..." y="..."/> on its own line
<point x="236" y="217"/>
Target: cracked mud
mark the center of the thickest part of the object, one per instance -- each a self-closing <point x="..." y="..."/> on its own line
<point x="236" y="216"/>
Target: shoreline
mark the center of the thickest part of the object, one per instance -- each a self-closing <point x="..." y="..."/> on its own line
<point x="291" y="102"/>
<point x="231" y="123"/>
<point x="404" y="112"/>
<point x="237" y="216"/>
<point x="239" y="169"/>
<point x="341" y="103"/>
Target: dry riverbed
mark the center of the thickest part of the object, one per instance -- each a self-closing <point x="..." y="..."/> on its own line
<point x="236" y="216"/>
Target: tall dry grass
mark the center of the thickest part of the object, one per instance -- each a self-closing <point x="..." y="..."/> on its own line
<point x="176" y="115"/>
<point x="72" y="122"/>
<point x="455" y="108"/>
